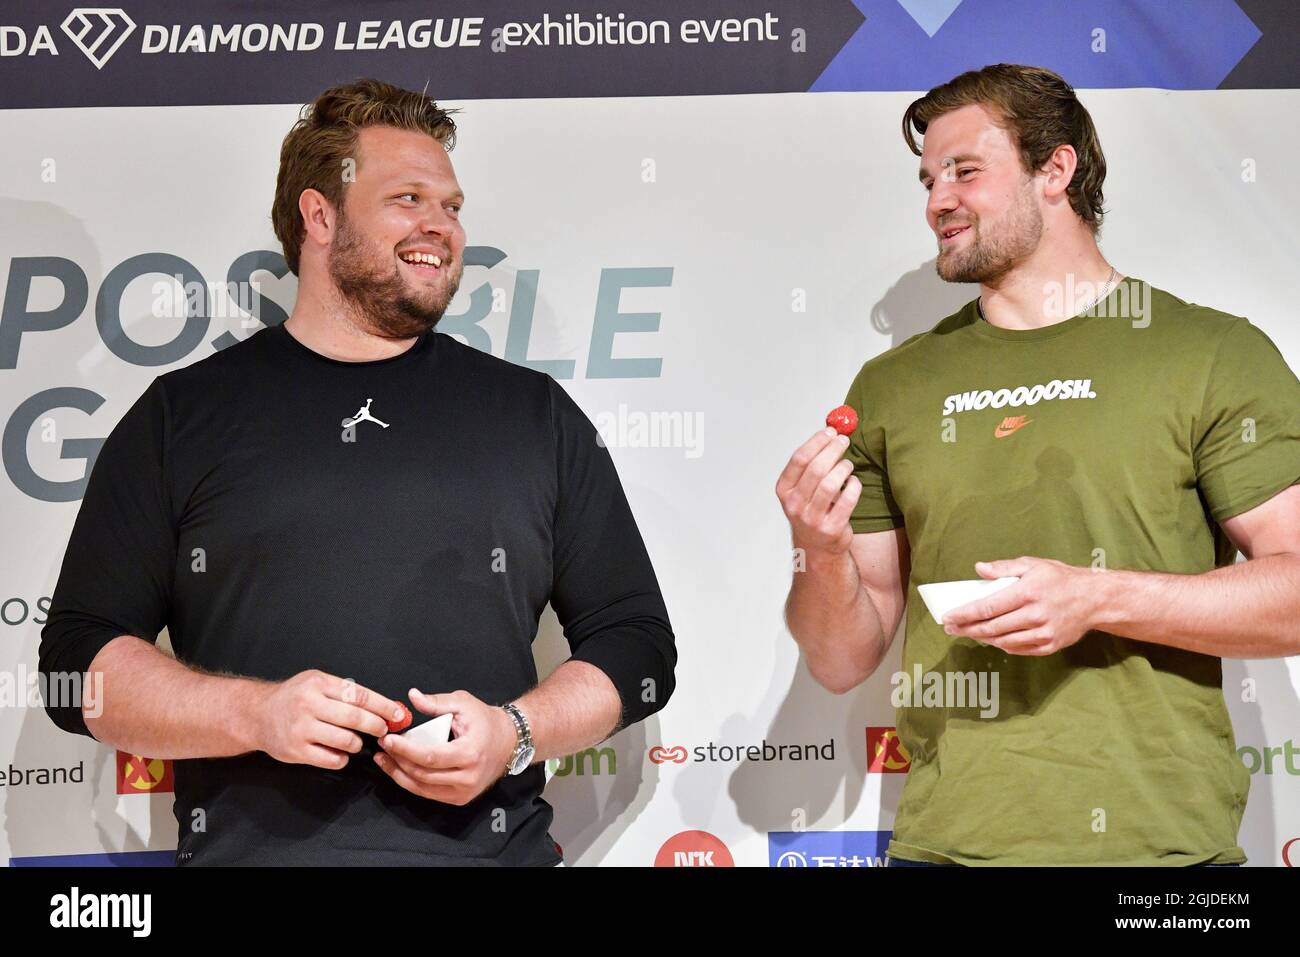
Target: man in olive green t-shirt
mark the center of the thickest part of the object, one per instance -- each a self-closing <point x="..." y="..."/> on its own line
<point x="1101" y="440"/>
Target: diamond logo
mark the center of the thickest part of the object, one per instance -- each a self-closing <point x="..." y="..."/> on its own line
<point x="93" y="30"/>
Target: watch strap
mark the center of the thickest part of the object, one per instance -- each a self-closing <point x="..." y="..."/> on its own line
<point x="523" y="733"/>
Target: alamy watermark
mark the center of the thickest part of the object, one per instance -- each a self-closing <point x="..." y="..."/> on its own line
<point x="21" y="688"/>
<point x="175" y="298"/>
<point x="1083" y="297"/>
<point x="636" y="429"/>
<point x="946" y="689"/>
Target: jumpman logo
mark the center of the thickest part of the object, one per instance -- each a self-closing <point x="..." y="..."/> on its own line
<point x="363" y="415"/>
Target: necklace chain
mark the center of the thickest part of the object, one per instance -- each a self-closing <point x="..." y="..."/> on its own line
<point x="1104" y="289"/>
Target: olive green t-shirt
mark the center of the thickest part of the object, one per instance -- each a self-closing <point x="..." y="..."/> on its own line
<point x="1117" y="438"/>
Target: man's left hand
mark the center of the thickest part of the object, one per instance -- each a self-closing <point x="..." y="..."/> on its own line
<point x="483" y="741"/>
<point x="1050" y="608"/>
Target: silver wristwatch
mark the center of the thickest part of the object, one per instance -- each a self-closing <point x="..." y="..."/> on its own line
<point x="524" y="750"/>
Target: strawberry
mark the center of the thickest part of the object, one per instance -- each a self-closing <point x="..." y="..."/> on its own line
<point x="402" y="723"/>
<point x="843" y="420"/>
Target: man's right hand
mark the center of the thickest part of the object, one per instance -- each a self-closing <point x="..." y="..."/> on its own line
<point x="313" y="718"/>
<point x="818" y="491"/>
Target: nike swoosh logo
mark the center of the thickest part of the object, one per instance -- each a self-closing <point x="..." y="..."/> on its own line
<point x="1009" y="425"/>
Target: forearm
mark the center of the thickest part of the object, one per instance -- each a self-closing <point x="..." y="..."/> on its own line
<point x="155" y="706"/>
<point x="834" y="622"/>
<point x="576" y="707"/>
<point x="1247" y="610"/>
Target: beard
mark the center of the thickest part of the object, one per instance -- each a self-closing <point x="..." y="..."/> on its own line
<point x="384" y="300"/>
<point x="989" y="257"/>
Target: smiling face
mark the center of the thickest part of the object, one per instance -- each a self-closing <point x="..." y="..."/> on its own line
<point x="983" y="207"/>
<point x="398" y="254"/>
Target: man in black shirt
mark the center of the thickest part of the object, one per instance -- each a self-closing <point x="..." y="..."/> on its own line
<point x="315" y="565"/>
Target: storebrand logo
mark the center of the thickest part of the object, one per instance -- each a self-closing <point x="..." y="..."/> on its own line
<point x="660" y="754"/>
<point x="735" y="753"/>
<point x="93" y="30"/>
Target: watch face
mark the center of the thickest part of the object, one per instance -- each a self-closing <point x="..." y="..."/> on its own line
<point x="525" y="758"/>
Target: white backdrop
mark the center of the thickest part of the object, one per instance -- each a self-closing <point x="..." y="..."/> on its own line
<point x="756" y="203"/>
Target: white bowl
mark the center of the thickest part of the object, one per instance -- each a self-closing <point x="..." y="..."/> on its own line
<point x="943" y="597"/>
<point x="434" y="731"/>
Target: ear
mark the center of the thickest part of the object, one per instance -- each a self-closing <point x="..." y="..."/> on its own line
<point x="1058" y="171"/>
<point x="318" y="216"/>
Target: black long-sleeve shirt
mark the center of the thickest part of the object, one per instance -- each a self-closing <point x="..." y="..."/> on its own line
<point x="416" y="547"/>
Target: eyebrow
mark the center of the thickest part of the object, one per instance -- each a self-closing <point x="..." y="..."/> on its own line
<point x="923" y="175"/>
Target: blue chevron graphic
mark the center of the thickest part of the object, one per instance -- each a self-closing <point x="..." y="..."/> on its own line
<point x="1189" y="45"/>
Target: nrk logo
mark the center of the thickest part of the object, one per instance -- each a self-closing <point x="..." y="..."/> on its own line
<point x="659" y="754"/>
<point x="827" y="848"/>
<point x="140" y="775"/>
<point x="694" y="849"/>
<point x="1287" y="851"/>
<point x="885" y="752"/>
